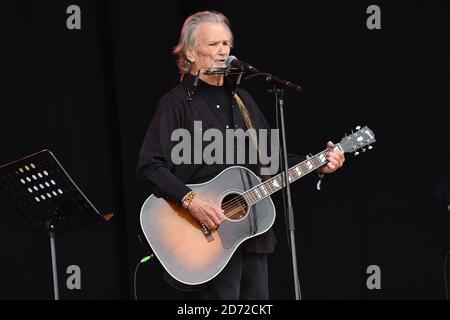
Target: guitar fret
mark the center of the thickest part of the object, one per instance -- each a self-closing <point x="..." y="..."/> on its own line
<point x="275" y="183"/>
<point x="293" y="173"/>
<point x="254" y="199"/>
<point x="317" y="162"/>
<point x="292" y="176"/>
<point x="271" y="188"/>
<point x="280" y="180"/>
<point x="322" y="158"/>
<point x="245" y="195"/>
<point x="264" y="190"/>
<point x="302" y="167"/>
<point x="257" y="193"/>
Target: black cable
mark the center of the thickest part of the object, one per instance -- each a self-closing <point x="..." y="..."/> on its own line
<point x="445" y="274"/>
<point x="143" y="260"/>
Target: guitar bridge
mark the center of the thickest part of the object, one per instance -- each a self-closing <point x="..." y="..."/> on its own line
<point x="206" y="233"/>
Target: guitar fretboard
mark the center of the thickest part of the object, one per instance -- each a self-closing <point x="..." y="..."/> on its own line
<point x="275" y="183"/>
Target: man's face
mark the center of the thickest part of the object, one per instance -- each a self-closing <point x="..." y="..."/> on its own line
<point x="211" y="47"/>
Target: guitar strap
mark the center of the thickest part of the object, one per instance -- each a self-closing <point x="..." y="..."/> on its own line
<point x="252" y="132"/>
<point x="249" y="125"/>
<point x="247" y="119"/>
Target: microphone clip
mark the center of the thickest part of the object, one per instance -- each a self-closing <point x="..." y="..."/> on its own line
<point x="220" y="71"/>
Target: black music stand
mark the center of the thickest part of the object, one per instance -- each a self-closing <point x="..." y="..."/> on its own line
<point x="51" y="202"/>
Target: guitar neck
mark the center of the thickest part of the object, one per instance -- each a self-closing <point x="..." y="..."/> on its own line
<point x="272" y="185"/>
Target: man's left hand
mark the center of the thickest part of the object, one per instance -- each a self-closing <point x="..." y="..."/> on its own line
<point x="336" y="160"/>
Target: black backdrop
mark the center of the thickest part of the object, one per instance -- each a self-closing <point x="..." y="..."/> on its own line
<point x="89" y="95"/>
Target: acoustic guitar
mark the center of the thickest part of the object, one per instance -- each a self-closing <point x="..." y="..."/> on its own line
<point x="190" y="252"/>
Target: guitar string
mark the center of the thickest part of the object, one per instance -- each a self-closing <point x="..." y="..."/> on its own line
<point x="239" y="199"/>
<point x="236" y="210"/>
<point x="281" y="175"/>
<point x="231" y="207"/>
<point x="231" y="204"/>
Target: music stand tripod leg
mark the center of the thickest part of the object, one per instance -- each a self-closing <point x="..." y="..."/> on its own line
<point x="51" y="233"/>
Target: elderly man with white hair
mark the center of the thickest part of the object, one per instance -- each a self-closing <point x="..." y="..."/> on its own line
<point x="205" y="42"/>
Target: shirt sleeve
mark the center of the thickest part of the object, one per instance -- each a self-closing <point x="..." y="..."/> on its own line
<point x="154" y="163"/>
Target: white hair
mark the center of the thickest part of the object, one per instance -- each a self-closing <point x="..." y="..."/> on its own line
<point x="188" y="35"/>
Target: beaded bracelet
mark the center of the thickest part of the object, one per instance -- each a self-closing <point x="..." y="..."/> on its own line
<point x="188" y="199"/>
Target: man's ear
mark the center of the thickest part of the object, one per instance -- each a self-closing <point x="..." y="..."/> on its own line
<point x="190" y="54"/>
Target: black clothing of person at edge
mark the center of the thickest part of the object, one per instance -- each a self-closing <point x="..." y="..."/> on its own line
<point x="442" y="195"/>
<point x="167" y="180"/>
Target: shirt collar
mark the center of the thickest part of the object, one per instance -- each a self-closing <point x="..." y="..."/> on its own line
<point x="189" y="79"/>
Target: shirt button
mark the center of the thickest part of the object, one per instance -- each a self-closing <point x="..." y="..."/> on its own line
<point x="218" y="106"/>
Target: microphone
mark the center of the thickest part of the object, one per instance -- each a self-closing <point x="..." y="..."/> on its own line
<point x="233" y="62"/>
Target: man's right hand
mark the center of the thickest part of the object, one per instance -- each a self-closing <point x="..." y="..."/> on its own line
<point x="206" y="212"/>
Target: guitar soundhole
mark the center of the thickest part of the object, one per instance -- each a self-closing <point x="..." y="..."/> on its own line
<point x="235" y="206"/>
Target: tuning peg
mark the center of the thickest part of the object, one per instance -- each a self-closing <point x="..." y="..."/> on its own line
<point x="370" y="148"/>
<point x="358" y="127"/>
<point x="356" y="153"/>
<point x="364" y="150"/>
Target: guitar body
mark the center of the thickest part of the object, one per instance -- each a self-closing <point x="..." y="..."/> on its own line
<point x="191" y="254"/>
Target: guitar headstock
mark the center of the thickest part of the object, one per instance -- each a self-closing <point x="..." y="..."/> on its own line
<point x="358" y="140"/>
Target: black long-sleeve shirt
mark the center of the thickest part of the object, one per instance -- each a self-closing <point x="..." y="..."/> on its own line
<point x="215" y="108"/>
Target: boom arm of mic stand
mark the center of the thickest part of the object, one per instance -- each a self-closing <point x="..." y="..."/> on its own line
<point x="272" y="78"/>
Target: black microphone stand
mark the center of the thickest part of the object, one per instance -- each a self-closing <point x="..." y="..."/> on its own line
<point x="278" y="90"/>
<point x="287" y="199"/>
